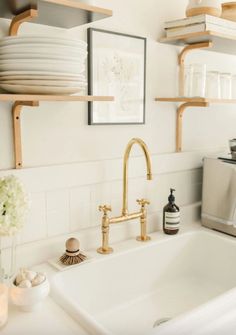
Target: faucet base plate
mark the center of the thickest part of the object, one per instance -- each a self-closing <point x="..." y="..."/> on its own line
<point x="105" y="252"/>
<point x="143" y="238"/>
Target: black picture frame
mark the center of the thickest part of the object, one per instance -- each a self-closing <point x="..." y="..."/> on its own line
<point x="90" y="36"/>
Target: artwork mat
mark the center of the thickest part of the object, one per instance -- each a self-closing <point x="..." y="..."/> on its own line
<point x="93" y="84"/>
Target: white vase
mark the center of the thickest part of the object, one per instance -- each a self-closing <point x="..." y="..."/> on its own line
<point x="7" y="271"/>
<point x="198" y="7"/>
<point x="7" y="258"/>
<point x="3" y="305"/>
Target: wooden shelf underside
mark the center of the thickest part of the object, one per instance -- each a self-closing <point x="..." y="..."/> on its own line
<point x="32" y="97"/>
<point x="221" y="42"/>
<point x="197" y="100"/>
<point x="58" y="13"/>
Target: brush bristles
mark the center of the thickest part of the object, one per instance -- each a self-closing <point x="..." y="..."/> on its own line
<point x="72" y="260"/>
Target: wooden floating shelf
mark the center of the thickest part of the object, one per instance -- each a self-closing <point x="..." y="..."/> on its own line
<point x="185" y="103"/>
<point x="27" y="100"/>
<point x="31" y="97"/>
<point x="197" y="100"/>
<point x="221" y="42"/>
<point x="211" y="41"/>
<point x="57" y="13"/>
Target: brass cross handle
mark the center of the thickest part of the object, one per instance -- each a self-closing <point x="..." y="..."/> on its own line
<point x="105" y="209"/>
<point x="143" y="202"/>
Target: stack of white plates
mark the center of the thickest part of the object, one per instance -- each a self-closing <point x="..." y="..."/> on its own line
<point x="36" y="64"/>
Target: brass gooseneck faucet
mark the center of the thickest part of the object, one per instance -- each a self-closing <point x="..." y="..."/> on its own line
<point x="125" y="216"/>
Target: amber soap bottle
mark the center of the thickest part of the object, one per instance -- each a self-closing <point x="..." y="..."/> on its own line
<point x="171" y="216"/>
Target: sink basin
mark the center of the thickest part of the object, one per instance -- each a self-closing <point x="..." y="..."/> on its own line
<point x="134" y="292"/>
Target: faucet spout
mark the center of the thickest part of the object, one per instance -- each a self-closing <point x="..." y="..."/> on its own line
<point x="144" y="147"/>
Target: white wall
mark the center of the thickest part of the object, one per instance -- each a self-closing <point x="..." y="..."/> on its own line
<point x="57" y="133"/>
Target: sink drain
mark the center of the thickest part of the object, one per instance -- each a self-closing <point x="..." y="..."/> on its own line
<point x="160" y="322"/>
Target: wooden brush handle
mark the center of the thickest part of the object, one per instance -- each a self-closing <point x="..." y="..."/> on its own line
<point x="72" y="245"/>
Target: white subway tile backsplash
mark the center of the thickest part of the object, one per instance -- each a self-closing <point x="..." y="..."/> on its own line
<point x="57" y="200"/>
<point x="101" y="193"/>
<point x="65" y="198"/>
<point x="49" y="178"/>
<point x="57" y="222"/>
<point x="116" y="206"/>
<point x="116" y="190"/>
<point x="36" y="226"/>
<point x="58" y="215"/>
<point x="80" y="199"/>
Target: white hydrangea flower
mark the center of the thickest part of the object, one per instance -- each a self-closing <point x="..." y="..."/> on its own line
<point x="14" y="205"/>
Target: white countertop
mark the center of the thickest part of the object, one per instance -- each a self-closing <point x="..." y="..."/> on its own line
<point x="51" y="319"/>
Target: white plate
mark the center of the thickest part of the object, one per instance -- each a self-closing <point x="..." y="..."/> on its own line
<point x="32" y="56"/>
<point x="41" y="62"/>
<point x="44" y="77"/>
<point x="35" y="39"/>
<point x="45" y="83"/>
<point x="43" y="49"/>
<point x="74" y="68"/>
<point x="40" y="73"/>
<point x="61" y="37"/>
<point x="41" y="89"/>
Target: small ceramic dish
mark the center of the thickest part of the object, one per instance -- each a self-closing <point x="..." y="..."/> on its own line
<point x="29" y="299"/>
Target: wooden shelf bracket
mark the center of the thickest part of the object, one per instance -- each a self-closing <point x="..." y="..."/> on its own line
<point x="179" y="122"/>
<point x="16" y="115"/>
<point x="181" y="61"/>
<point x="21" y="18"/>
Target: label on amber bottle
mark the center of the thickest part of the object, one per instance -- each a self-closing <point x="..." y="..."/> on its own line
<point x="172" y="220"/>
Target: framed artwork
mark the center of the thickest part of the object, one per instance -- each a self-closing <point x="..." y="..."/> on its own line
<point x="116" y="67"/>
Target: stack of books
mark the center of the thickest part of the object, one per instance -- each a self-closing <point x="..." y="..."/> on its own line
<point x="199" y="23"/>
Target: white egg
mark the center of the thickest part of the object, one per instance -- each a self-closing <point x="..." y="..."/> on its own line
<point x="30" y="275"/>
<point x="39" y="279"/>
<point x="25" y="284"/>
<point x="19" y="278"/>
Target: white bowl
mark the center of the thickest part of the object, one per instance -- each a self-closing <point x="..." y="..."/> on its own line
<point x="29" y="299"/>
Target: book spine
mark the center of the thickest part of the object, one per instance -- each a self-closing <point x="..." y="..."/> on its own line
<point x="185" y="22"/>
<point x="174" y="32"/>
<point x="197" y="28"/>
<point x="207" y="19"/>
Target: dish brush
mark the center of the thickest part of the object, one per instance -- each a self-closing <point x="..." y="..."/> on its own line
<point x="72" y="255"/>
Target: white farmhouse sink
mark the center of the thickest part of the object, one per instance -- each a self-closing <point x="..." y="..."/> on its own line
<point x="126" y="293"/>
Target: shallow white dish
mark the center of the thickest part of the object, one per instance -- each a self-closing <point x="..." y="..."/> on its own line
<point x="43" y="67"/>
<point x="38" y="73"/>
<point x="45" y="83"/>
<point x="42" y="49"/>
<point x="33" y="56"/>
<point x="43" y="77"/>
<point x="28" y="89"/>
<point x="55" y="37"/>
<point x="45" y="62"/>
<point x="31" y="39"/>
